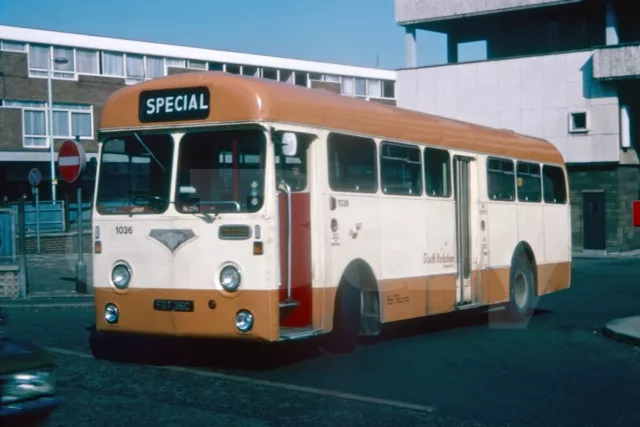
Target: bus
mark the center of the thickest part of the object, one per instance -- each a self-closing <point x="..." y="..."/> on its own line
<point x="234" y="207"/>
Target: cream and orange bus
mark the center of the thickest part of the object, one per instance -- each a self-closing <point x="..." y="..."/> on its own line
<point x="237" y="207"/>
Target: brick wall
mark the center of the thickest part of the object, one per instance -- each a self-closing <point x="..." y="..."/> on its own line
<point x="16" y="84"/>
<point x="11" y="128"/>
<point x="629" y="191"/>
<point x="59" y="243"/>
<point x="620" y="185"/>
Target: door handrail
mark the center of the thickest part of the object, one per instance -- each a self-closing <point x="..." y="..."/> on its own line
<point x="286" y="189"/>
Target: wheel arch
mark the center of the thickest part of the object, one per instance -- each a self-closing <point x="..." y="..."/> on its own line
<point x="359" y="274"/>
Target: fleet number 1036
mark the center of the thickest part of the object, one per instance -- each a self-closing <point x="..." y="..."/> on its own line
<point x="122" y="229"/>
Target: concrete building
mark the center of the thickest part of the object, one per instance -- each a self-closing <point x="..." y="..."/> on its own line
<point x="564" y="70"/>
<point x="97" y="66"/>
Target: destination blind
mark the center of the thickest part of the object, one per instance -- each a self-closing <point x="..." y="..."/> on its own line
<point x="167" y="105"/>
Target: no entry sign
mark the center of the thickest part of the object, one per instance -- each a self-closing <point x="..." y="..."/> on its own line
<point x="71" y="160"/>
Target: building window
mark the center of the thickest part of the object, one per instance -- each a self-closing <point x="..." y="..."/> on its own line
<point x="69" y="121"/>
<point x="400" y="169"/>
<point x="135" y="69"/>
<point x="287" y="76"/>
<point x="39" y="57"/>
<point x="11" y="46"/>
<point x="175" y="63"/>
<point x="196" y="65"/>
<point x="361" y="87"/>
<point x="87" y="61"/>
<point x="578" y="122"/>
<point x="374" y="88"/>
<point x="348" y="86"/>
<point x="155" y="67"/>
<point x="113" y="64"/>
<point x="34" y="128"/>
<point x="500" y="179"/>
<point x="352" y="163"/>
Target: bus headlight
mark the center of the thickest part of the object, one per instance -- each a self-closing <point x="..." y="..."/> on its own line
<point x="111" y="313"/>
<point x="230" y="278"/>
<point x="121" y="276"/>
<point x="244" y="321"/>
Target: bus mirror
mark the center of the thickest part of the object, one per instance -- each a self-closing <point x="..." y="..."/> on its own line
<point x="289" y="144"/>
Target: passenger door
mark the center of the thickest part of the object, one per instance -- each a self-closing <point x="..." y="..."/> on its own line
<point x="465" y="188"/>
<point x="294" y="222"/>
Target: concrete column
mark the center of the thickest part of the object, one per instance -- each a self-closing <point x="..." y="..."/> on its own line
<point x="625" y="127"/>
<point x="612" y="24"/>
<point x="452" y="49"/>
<point x="411" y="48"/>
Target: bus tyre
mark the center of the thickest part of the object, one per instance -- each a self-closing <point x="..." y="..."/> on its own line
<point x="521" y="289"/>
<point x="346" y="320"/>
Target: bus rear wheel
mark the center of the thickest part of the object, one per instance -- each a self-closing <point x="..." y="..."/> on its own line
<point x="522" y="295"/>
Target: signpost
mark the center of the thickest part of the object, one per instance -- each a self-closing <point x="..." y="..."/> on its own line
<point x="72" y="161"/>
<point x="34" y="179"/>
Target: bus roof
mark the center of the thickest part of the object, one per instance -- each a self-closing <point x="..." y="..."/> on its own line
<point x="248" y="99"/>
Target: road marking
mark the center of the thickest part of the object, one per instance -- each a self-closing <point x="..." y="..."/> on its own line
<point x="265" y="383"/>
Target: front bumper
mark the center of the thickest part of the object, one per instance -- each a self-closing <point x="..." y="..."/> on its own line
<point x="137" y="314"/>
<point x="28" y="413"/>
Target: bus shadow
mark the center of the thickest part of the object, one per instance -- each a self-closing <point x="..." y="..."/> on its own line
<point x="207" y="354"/>
<point x="450" y="322"/>
<point x="237" y="356"/>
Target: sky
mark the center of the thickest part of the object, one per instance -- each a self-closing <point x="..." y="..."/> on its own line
<point x="351" y="32"/>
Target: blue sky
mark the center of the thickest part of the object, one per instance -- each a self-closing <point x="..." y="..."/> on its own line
<point x="350" y="32"/>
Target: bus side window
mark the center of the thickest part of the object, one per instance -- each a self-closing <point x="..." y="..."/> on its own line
<point x="400" y="169"/>
<point x="529" y="182"/>
<point x="555" y="190"/>
<point x="352" y="163"/>
<point x="437" y="172"/>
<point x="501" y="183"/>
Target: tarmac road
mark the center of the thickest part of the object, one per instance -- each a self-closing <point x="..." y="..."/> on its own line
<point x="474" y="371"/>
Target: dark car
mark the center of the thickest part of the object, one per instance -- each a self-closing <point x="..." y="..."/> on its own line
<point x="27" y="382"/>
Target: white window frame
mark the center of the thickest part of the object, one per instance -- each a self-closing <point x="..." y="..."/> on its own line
<point x="24" y="130"/>
<point x="43" y="73"/>
<point x="42" y="107"/>
<point x="574" y="130"/>
<point x="24" y="46"/>
<point x="97" y="56"/>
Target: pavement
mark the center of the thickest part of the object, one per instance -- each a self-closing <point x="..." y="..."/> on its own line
<point x="53" y="275"/>
<point x="626" y="329"/>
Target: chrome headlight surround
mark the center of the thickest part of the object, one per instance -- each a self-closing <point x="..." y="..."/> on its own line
<point x="230" y="278"/>
<point x="20" y="386"/>
<point x="121" y="275"/>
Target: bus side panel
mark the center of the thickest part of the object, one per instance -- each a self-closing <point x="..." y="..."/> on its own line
<point x="502" y="229"/>
<point x="301" y="275"/>
<point x="555" y="273"/>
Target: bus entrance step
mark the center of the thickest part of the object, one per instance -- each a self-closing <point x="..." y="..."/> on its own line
<point x="288" y="334"/>
<point x="288" y="304"/>
<point x="468" y="305"/>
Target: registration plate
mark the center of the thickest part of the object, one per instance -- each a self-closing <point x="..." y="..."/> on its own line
<point x="172" y="305"/>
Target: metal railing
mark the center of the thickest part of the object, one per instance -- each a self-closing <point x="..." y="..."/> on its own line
<point x="8" y="231"/>
<point x="53" y="216"/>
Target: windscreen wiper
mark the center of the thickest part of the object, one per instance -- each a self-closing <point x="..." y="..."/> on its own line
<point x="149" y="151"/>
